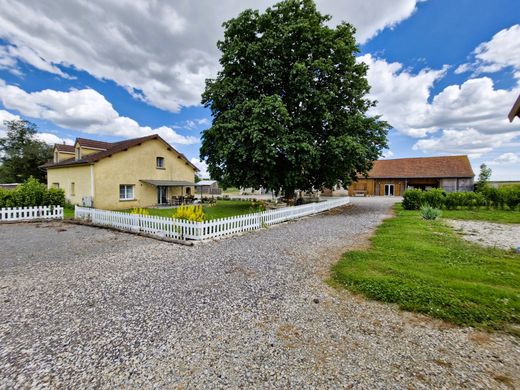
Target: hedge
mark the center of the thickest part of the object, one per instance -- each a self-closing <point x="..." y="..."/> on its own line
<point x="30" y="194"/>
<point x="507" y="197"/>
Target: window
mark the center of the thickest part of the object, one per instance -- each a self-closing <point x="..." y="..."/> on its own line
<point x="160" y="162"/>
<point x="78" y="153"/>
<point x="73" y="188"/>
<point x="56" y="157"/>
<point x="55" y="185"/>
<point x="126" y="192"/>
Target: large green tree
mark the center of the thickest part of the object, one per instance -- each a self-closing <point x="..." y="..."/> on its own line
<point x="290" y="103"/>
<point x="21" y="153"/>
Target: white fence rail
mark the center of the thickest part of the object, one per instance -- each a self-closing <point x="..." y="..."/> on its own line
<point x="187" y="230"/>
<point x="10" y="214"/>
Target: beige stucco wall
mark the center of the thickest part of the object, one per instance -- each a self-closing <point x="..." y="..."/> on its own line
<point x="86" y="151"/>
<point x="64" y="156"/>
<point x="138" y="163"/>
<point x="79" y="175"/>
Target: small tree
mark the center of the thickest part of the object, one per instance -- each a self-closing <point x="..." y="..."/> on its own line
<point x="289" y="105"/>
<point x="21" y="153"/>
<point x="483" y="178"/>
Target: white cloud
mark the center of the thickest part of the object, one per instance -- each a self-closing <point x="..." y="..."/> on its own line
<point x="402" y="96"/>
<point x="506" y="159"/>
<point x="464" y="141"/>
<point x="85" y="110"/>
<point x="203" y="167"/>
<point x="468" y="118"/>
<point x="48" y="138"/>
<point x="52" y="139"/>
<point x="161" y="52"/>
<point x="502" y="51"/>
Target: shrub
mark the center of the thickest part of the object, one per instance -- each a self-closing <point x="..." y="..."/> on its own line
<point x="32" y="193"/>
<point x="434" y="197"/>
<point x="191" y="213"/>
<point x="54" y="197"/>
<point x="454" y="200"/>
<point x="511" y="196"/>
<point x="412" y="199"/>
<point x="430" y="213"/>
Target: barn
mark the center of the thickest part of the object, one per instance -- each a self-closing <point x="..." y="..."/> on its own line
<point x="392" y="177"/>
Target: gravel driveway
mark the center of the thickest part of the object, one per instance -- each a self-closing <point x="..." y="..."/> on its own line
<point x="85" y="307"/>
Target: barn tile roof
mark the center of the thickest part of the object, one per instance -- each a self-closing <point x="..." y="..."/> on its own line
<point x="431" y="167"/>
<point x="115" y="147"/>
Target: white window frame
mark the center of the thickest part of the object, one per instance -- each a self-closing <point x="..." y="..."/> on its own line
<point x="126" y="188"/>
<point x="161" y="159"/>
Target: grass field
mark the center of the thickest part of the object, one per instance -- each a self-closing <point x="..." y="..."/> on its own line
<point x="499" y="216"/>
<point x="222" y="209"/>
<point x="424" y="267"/>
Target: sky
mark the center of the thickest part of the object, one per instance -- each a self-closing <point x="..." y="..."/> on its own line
<point x="445" y="73"/>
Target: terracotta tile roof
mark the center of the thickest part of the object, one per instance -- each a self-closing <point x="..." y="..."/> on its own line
<point x="438" y="167"/>
<point x="64" y="148"/>
<point x="115" y="147"/>
<point x="92" y="143"/>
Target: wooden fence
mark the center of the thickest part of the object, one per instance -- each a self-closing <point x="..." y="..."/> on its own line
<point x="187" y="230"/>
<point x="11" y="214"/>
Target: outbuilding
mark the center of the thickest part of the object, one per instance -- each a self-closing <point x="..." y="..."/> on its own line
<point x="393" y="177"/>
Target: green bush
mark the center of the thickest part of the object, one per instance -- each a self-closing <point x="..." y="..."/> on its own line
<point x="434" y="198"/>
<point x="412" y="199"/>
<point x="430" y="213"/>
<point x="511" y="196"/>
<point x="30" y="194"/>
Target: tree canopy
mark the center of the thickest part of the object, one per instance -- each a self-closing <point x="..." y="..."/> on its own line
<point x="289" y="105"/>
<point x="21" y="153"/>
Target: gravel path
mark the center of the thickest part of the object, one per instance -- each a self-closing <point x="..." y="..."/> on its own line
<point x="83" y="307"/>
<point x="505" y="236"/>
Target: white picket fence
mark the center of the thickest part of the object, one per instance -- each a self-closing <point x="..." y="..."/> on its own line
<point x="10" y="214"/>
<point x="187" y="230"/>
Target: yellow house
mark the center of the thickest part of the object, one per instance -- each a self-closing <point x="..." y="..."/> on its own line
<point x="140" y="172"/>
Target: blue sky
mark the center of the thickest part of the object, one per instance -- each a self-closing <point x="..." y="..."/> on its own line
<point x="445" y="73"/>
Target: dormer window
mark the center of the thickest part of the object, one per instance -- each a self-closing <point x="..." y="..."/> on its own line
<point x="78" y="153"/>
<point x="160" y="162"/>
<point x="56" y="156"/>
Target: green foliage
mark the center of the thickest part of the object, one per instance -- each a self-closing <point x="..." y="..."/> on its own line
<point x="21" y="153"/>
<point x="190" y="213"/>
<point x="289" y="105"/>
<point x="434" y="197"/>
<point x="507" y="197"/>
<point x="32" y="193"/>
<point x="435" y="272"/>
<point x="412" y="199"/>
<point x="430" y="213"/>
<point x="483" y="178"/>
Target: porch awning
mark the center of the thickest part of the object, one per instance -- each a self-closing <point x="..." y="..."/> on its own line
<point x="169" y="183"/>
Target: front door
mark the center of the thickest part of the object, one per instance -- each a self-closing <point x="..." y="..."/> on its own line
<point x="161" y="195"/>
<point x="389" y="190"/>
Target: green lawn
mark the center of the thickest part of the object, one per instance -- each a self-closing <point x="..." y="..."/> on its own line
<point x="500" y="216"/>
<point x="424" y="267"/>
<point x="68" y="212"/>
<point x="222" y="209"/>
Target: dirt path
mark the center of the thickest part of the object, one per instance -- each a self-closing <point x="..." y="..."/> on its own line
<point x="505" y="236"/>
